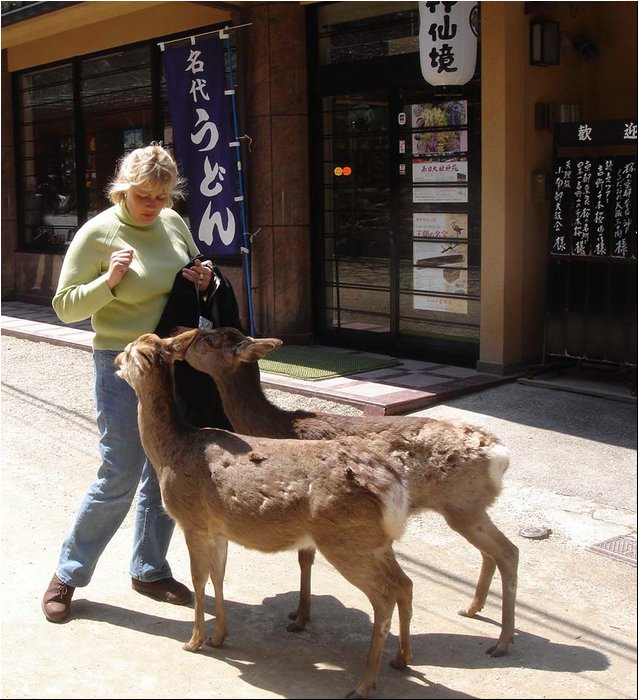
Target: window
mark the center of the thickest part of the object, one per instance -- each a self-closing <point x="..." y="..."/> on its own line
<point x="48" y="169"/>
<point x="116" y="107"/>
<point x="74" y="121"/>
<point x="353" y="31"/>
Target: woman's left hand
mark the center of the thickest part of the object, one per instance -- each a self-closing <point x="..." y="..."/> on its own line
<point x="200" y="272"/>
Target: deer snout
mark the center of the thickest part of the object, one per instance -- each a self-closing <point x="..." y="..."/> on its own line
<point x="120" y="362"/>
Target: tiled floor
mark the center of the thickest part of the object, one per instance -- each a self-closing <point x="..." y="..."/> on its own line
<point x="395" y="390"/>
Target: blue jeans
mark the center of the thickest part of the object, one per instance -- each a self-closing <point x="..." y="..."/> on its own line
<point x="108" y="501"/>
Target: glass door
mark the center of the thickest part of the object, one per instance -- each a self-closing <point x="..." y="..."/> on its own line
<point x="396" y="190"/>
<point x="356" y="208"/>
<point x="401" y="224"/>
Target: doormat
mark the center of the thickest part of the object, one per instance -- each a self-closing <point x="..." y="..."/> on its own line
<point x="313" y="364"/>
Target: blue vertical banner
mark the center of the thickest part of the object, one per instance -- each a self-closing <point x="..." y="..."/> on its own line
<point x="204" y="141"/>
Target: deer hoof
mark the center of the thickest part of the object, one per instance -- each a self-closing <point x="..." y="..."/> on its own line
<point x="471" y="611"/>
<point x="215" y="642"/>
<point x="496" y="651"/>
<point x="192" y="645"/>
<point x="294" y="627"/>
<point x="400" y="662"/>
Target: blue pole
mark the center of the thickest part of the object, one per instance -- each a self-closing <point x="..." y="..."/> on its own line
<point x="245" y="248"/>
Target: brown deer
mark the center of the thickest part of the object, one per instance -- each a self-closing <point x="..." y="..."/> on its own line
<point x="344" y="496"/>
<point x="452" y="468"/>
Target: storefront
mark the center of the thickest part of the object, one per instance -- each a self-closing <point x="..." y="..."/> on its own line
<point x="383" y="213"/>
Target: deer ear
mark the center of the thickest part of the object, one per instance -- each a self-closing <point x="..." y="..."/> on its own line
<point x="253" y="349"/>
<point x="177" y="345"/>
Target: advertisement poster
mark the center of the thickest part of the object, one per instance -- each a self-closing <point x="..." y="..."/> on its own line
<point x="439" y="171"/>
<point x="439" y="225"/>
<point x="441" y="114"/>
<point x="440" y="261"/>
<point x="439" y="143"/>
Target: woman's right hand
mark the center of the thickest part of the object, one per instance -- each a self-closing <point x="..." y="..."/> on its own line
<point x="118" y="266"/>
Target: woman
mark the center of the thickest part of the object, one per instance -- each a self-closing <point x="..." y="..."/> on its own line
<point x="119" y="271"/>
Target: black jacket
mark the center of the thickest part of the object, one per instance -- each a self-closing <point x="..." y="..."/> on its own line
<point x="196" y="392"/>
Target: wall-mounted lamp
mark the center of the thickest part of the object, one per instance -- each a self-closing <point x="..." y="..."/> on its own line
<point x="544" y="42"/>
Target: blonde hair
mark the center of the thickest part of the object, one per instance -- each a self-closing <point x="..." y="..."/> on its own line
<point x="152" y="167"/>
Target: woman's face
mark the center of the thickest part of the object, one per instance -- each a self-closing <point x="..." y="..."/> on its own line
<point x="144" y="204"/>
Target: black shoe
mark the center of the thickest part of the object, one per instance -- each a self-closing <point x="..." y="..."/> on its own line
<point x="56" y="603"/>
<point x="166" y="590"/>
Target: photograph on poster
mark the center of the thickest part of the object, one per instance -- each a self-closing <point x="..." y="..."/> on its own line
<point x="440" y="114"/>
<point x="439" y="170"/>
<point x="439" y="143"/>
<point x="439" y="225"/>
<point x="447" y="279"/>
<point x="425" y="195"/>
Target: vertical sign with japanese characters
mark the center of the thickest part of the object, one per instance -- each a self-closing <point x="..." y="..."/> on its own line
<point x="623" y="244"/>
<point x="448" y="33"/>
<point x="594" y="207"/>
<point x="583" y="201"/>
<point x="561" y="237"/>
<point x="203" y="136"/>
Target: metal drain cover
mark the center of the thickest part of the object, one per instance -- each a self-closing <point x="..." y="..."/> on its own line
<point x="622" y="548"/>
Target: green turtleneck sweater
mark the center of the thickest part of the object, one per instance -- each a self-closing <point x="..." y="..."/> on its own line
<point x="134" y="306"/>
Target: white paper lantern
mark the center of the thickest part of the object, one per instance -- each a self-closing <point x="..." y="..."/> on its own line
<point x="448" y="33"/>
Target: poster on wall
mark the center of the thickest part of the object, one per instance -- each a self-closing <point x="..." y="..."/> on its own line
<point x="440" y="262"/>
<point x="439" y="114"/>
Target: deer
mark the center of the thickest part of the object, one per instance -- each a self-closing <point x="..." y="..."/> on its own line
<point x="344" y="497"/>
<point x="450" y="467"/>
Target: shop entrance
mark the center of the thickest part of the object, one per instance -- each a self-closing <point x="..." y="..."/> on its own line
<point x="399" y="239"/>
<point x="396" y="190"/>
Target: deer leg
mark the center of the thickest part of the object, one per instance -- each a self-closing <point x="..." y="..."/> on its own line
<point x="404" y="605"/>
<point x="493" y="545"/>
<point x="380" y="577"/>
<point x="488" y="567"/>
<point x="217" y="573"/>
<point x="201" y="556"/>
<point x="301" y="616"/>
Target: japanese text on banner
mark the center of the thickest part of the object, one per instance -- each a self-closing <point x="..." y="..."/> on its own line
<point x="204" y="142"/>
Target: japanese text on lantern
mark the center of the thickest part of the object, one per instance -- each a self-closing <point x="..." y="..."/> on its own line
<point x="442" y="58"/>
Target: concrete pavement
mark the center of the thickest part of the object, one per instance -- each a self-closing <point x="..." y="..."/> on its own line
<point x="573" y="471"/>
